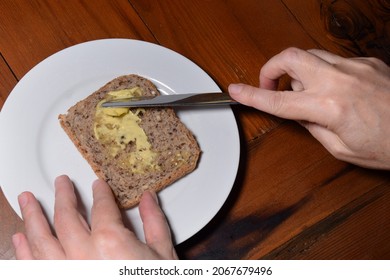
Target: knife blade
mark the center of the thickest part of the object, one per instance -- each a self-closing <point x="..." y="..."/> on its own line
<point x="172" y="100"/>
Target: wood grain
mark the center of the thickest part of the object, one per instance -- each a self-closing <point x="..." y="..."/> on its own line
<point x="34" y="30"/>
<point x="280" y="197"/>
<point x="358" y="230"/>
<point x="10" y="223"/>
<point x="349" y="28"/>
<point x="291" y="198"/>
<point x="230" y="40"/>
<point x="7" y="81"/>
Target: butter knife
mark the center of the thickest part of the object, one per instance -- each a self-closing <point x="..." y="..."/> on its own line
<point x="172" y="100"/>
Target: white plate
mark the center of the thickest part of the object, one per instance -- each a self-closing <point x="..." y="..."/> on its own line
<point x="34" y="149"/>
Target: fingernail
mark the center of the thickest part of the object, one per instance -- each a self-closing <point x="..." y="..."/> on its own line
<point x="22" y="199"/>
<point x="60" y="179"/>
<point x="97" y="182"/>
<point x="235" y="88"/>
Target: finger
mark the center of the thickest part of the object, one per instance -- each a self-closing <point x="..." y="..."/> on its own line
<point x="156" y="228"/>
<point x="326" y="56"/>
<point x="22" y="248"/>
<point x="298" y="64"/>
<point x="349" y="65"/>
<point x="42" y="243"/>
<point x="284" y="104"/>
<point x="296" y="85"/>
<point x="105" y="210"/>
<point x="70" y="226"/>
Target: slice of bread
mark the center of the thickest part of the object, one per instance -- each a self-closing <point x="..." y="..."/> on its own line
<point x="175" y="151"/>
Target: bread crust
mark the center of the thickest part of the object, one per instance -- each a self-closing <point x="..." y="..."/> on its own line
<point x="177" y="148"/>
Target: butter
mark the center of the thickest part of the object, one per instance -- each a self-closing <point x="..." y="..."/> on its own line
<point x="116" y="112"/>
<point x="117" y="128"/>
<point x="125" y="93"/>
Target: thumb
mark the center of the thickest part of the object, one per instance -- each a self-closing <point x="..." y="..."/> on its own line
<point x="285" y="104"/>
<point x="156" y="228"/>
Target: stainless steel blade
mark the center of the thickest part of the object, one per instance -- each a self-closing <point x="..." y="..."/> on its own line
<point x="172" y="100"/>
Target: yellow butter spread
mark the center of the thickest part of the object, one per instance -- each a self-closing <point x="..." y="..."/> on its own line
<point x="116" y="128"/>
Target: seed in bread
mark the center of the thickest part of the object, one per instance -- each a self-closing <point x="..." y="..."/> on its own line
<point x="133" y="150"/>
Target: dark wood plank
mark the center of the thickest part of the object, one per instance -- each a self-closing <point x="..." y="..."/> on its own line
<point x="359" y="230"/>
<point x="291" y="199"/>
<point x="349" y="28"/>
<point x="278" y="197"/>
<point x="7" y="81"/>
<point x="10" y="223"/>
<point x="230" y="40"/>
<point x="33" y="30"/>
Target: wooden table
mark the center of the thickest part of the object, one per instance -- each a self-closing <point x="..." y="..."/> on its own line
<point x="291" y="198"/>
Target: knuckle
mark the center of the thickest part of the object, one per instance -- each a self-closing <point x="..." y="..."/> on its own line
<point x="291" y="53"/>
<point x="251" y="93"/>
<point x="108" y="238"/>
<point x="105" y="238"/>
<point x="28" y="212"/>
<point x="335" y="106"/>
<point x="61" y="221"/>
<point x="369" y="65"/>
<point x="374" y="63"/>
<point x="39" y="246"/>
<point x="276" y="102"/>
<point x="59" y="217"/>
<point x="337" y="151"/>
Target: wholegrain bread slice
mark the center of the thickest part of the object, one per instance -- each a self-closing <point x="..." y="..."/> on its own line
<point x="174" y="146"/>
